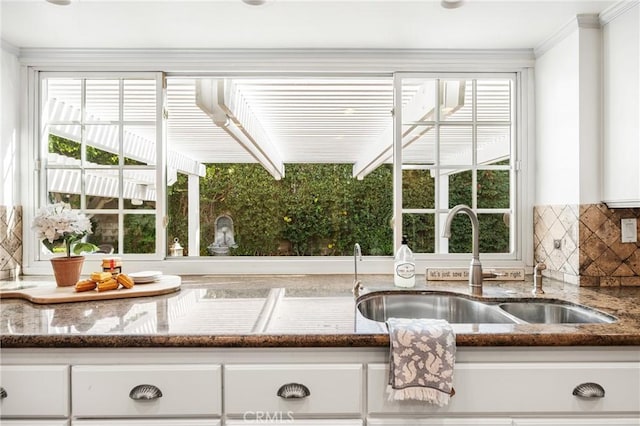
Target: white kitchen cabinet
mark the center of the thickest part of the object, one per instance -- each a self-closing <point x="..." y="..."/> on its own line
<point x="34" y="423"/>
<point x="440" y="422"/>
<point x="602" y="421"/>
<point x="210" y="386"/>
<point x="153" y="422"/>
<point x="298" y="389"/>
<point x="621" y="109"/>
<point x="512" y="388"/>
<point x="34" y="391"/>
<point x="146" y="390"/>
<point x="292" y="422"/>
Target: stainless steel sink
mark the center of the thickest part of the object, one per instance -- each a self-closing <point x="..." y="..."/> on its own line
<point x="454" y="309"/>
<point x="555" y="313"/>
<point x="457" y="309"/>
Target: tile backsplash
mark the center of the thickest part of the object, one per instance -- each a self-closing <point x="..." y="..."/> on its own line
<point x="581" y="244"/>
<point x="10" y="241"/>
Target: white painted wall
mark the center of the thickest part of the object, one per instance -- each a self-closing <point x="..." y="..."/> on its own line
<point x="557" y="123"/>
<point x="9" y="127"/>
<point x="621" y="92"/>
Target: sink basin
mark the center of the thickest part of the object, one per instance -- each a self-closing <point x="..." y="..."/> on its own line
<point x="554" y="313"/>
<point x="454" y="309"/>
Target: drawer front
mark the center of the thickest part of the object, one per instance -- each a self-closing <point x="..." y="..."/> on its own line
<point x="292" y="422"/>
<point x="187" y="390"/>
<point x="521" y="388"/>
<point x="253" y="389"/>
<point x="440" y="422"/>
<point x="35" y="391"/>
<point x="603" y="421"/>
<point x="35" y="423"/>
<point x="174" y="422"/>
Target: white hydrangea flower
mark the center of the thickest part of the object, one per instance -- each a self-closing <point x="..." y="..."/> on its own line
<point x="56" y="223"/>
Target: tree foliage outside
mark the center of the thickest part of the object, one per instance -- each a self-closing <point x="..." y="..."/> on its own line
<point x="319" y="209"/>
<point x="139" y="229"/>
<point x="316" y="209"/>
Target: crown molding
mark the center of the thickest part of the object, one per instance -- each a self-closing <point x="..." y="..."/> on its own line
<point x="8" y="47"/>
<point x="277" y="60"/>
<point x="584" y="20"/>
<point x="616" y="10"/>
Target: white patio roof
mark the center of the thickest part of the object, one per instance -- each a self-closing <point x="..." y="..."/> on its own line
<point x="328" y="120"/>
<point x="276" y="121"/>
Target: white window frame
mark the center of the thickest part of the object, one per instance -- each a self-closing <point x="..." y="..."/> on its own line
<point x="439" y="211"/>
<point x="225" y="62"/>
<point x="41" y="142"/>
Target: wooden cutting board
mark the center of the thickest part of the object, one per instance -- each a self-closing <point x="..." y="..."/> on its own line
<point x="41" y="292"/>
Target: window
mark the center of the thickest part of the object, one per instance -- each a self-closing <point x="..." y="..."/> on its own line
<point x="100" y="149"/>
<point x="285" y="165"/>
<point x="456" y="147"/>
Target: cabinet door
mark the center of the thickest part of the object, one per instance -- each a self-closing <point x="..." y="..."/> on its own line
<point x="175" y="422"/>
<point x="100" y="391"/>
<point x="588" y="421"/>
<point x="34" y="391"/>
<point x="439" y="422"/>
<point x="292" y="422"/>
<point x="522" y="388"/>
<point x="34" y="423"/>
<point x="334" y="389"/>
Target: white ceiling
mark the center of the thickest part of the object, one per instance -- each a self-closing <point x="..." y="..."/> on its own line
<point x="413" y="24"/>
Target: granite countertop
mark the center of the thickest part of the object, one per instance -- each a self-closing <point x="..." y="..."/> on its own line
<point x="294" y="310"/>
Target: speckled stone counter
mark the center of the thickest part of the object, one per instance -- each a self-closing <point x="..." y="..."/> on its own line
<point x="294" y="311"/>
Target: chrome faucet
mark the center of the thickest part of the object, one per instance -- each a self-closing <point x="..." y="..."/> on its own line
<point x="475" y="269"/>
<point x="357" y="256"/>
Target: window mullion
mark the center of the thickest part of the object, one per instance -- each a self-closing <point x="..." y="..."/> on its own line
<point x="474" y="144"/>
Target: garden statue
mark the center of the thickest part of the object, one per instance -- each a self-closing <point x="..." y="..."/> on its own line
<point x="224" y="236"/>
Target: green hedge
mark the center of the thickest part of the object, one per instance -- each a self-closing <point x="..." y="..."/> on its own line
<point x="319" y="209"/>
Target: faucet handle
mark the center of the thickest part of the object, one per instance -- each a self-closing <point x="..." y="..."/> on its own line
<point x="537" y="278"/>
<point x="540" y="266"/>
<point x="357" y="288"/>
<point x="491" y="273"/>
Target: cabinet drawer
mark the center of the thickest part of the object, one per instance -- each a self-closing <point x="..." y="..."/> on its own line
<point x="187" y="390"/>
<point x="333" y="389"/>
<point x="154" y="422"/>
<point x="602" y="421"/>
<point x="521" y="388"/>
<point x="291" y="422"/>
<point x="407" y="421"/>
<point x="35" y="391"/>
<point x="35" y="423"/>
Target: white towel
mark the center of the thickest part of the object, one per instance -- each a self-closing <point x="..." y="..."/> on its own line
<point x="421" y="361"/>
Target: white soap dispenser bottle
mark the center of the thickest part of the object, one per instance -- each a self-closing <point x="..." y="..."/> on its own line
<point x="404" y="266"/>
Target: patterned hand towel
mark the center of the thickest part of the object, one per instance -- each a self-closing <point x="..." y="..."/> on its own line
<point x="422" y="357"/>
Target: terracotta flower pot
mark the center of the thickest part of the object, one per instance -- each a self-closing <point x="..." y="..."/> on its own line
<point x="67" y="270"/>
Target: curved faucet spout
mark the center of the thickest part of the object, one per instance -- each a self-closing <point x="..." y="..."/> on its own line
<point x="357" y="255"/>
<point x="475" y="269"/>
<point x="475" y="226"/>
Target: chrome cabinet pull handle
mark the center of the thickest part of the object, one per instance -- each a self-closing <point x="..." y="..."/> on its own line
<point x="3" y="393"/>
<point x="293" y="391"/>
<point x="589" y="390"/>
<point x="145" y="393"/>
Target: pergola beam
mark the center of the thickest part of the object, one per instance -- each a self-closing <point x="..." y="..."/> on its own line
<point x="420" y="108"/>
<point x="221" y="100"/>
<point x="65" y="122"/>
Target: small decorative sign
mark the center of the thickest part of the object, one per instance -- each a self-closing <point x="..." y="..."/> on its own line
<point x="462" y="274"/>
